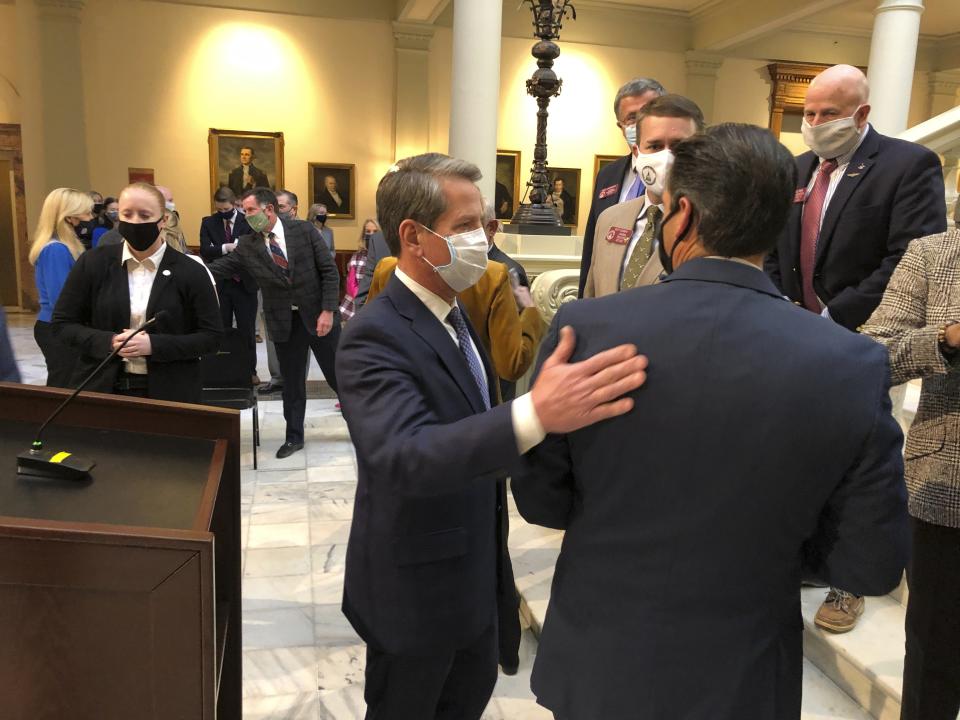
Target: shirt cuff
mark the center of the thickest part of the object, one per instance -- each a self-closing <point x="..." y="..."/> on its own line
<point x="526" y="424"/>
<point x="223" y="248"/>
<point x="826" y="313"/>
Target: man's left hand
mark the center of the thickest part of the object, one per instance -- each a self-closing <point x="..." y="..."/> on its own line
<point x="324" y="323"/>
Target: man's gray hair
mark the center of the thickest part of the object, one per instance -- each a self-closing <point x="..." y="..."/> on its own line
<point x="637" y="86"/>
<point x="489" y="212"/>
<point x="411" y="190"/>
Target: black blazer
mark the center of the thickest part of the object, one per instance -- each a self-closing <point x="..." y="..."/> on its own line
<point x="891" y="194"/>
<point x="500" y="256"/>
<point x="762" y="436"/>
<point x="609" y="183"/>
<point x="326" y="199"/>
<point x="212" y="238"/>
<point x="235" y="180"/>
<point x="421" y="569"/>
<point x="314" y="284"/>
<point x="94" y="305"/>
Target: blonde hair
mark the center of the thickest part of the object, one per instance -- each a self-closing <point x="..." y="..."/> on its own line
<point x="363" y="227"/>
<point x="150" y="190"/>
<point x="59" y="205"/>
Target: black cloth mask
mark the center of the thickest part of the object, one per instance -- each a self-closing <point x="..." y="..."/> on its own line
<point x="140" y="235"/>
<point x="321" y="218"/>
<point x="225" y="214"/>
<point x="667" y="259"/>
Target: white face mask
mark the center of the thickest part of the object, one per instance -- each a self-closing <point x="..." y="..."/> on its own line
<point x="832" y="139"/>
<point x="468" y="259"/>
<point x="630" y="133"/>
<point x="653" y="169"/>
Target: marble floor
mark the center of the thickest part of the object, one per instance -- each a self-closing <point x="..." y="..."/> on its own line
<point x="301" y="657"/>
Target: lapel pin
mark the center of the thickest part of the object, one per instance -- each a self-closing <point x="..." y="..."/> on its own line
<point x="861" y="166"/>
<point x="166" y="273"/>
<point x="853" y="174"/>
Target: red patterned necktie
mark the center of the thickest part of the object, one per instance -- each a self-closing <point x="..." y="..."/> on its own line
<point x="277" y="254"/>
<point x="810" y="232"/>
<point x="227" y="232"/>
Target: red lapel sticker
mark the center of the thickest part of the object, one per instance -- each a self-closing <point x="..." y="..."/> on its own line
<point x="608" y="191"/>
<point x="800" y="195"/>
<point x="618" y="235"/>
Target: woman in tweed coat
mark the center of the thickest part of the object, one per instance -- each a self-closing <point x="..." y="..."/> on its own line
<point x="919" y="323"/>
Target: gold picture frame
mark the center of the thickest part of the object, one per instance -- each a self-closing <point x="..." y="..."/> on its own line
<point x="264" y="163"/>
<point x="344" y="188"/>
<point x="601" y="161"/>
<point x="570" y="193"/>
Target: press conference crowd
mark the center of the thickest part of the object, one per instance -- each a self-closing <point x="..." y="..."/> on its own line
<point x="710" y="424"/>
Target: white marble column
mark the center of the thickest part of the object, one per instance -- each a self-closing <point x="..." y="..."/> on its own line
<point x="893" y="54"/>
<point x="475" y="95"/>
<point x="412" y="125"/>
<point x="702" y="70"/>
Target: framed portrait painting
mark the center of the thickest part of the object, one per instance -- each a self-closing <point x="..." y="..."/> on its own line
<point x="333" y="185"/>
<point x="565" y="193"/>
<point x="507" y="189"/>
<point x="601" y="161"/>
<point x="242" y="160"/>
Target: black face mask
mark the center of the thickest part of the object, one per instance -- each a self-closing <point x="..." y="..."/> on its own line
<point x="225" y="214"/>
<point x="97" y="208"/>
<point x="140" y="235"/>
<point x="667" y="259"/>
<point x="321" y="218"/>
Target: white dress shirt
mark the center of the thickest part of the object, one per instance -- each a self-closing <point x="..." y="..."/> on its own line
<point x="140" y="277"/>
<point x="843" y="162"/>
<point x="527" y="428"/>
<point x="232" y="221"/>
<point x="638" y="227"/>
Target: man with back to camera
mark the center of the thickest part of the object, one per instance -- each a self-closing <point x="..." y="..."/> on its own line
<point x="219" y="235"/>
<point x="624" y="255"/>
<point x="861" y="197"/>
<point x="618" y="181"/>
<point x="677" y="590"/>
<point x="300" y="286"/>
<point x="417" y="392"/>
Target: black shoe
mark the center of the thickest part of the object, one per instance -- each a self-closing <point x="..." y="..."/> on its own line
<point x="510" y="669"/>
<point x="270" y="387"/>
<point x="288" y="449"/>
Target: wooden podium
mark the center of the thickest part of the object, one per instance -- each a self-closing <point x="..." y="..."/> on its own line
<point x="120" y="596"/>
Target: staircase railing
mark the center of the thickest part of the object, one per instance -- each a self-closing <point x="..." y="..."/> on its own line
<point x="942" y="135"/>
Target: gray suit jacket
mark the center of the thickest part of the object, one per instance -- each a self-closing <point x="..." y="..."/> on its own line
<point x="603" y="277"/>
<point x="923" y="294"/>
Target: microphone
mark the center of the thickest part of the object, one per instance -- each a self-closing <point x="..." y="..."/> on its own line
<point x="60" y="464"/>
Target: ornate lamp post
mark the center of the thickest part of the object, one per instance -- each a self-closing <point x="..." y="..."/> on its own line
<point x="548" y="17"/>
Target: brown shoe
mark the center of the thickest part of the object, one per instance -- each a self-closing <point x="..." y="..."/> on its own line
<point x="840" y="611"/>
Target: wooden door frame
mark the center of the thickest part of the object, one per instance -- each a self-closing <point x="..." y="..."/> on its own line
<point x="11" y="147"/>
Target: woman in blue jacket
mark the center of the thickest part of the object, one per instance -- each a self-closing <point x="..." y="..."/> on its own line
<point x="53" y="253"/>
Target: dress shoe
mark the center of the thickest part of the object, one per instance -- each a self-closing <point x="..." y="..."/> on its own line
<point x="840" y="611"/>
<point x="288" y="449"/>
<point x="510" y="669"/>
<point x="270" y="387"/>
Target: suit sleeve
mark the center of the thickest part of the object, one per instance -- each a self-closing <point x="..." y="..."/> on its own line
<point x="398" y="435"/>
<point x="900" y="322"/>
<point x="543" y="484"/>
<point x="327" y="269"/>
<point x="205" y="338"/>
<point x="862" y="541"/>
<point x="513" y="337"/>
<point x="918" y="210"/>
<point x="74" y="310"/>
<point x="210" y="247"/>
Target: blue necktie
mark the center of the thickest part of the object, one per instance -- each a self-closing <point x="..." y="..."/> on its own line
<point x="635" y="191"/>
<point x="466" y="349"/>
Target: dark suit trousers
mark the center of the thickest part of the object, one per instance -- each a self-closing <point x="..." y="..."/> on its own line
<point x="59" y="357"/>
<point x="236" y="302"/>
<point x="293" y="359"/>
<point x="931" y="673"/>
<point x="453" y="686"/>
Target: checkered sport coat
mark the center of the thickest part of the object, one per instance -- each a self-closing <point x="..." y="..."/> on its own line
<point x="923" y="294"/>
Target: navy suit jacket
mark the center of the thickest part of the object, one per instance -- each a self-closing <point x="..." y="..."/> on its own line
<point x="212" y="238"/>
<point x="421" y="569"/>
<point x="609" y="179"/>
<point x="761" y="445"/>
<point x="891" y="193"/>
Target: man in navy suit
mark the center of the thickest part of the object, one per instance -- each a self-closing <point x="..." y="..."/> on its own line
<point x="861" y="197"/>
<point x="618" y="181"/>
<point x="219" y="234"/>
<point x="418" y="394"/>
<point x="762" y="447"/>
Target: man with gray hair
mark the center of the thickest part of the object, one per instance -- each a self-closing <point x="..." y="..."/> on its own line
<point x="418" y="394"/>
<point x="618" y="181"/>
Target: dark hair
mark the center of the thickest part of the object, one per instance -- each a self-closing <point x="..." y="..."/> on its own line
<point x="264" y="195"/>
<point x="740" y="181"/>
<point x="253" y="153"/>
<point x="292" y="196"/>
<point x="672" y="106"/>
<point x="223" y="195"/>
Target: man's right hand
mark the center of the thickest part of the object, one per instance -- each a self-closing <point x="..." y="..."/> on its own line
<point x="569" y="396"/>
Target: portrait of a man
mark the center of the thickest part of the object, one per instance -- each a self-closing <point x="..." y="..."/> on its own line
<point x="507" y="184"/>
<point x="565" y="193"/>
<point x="247" y="175"/>
<point x="332" y="185"/>
<point x="243" y="160"/>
